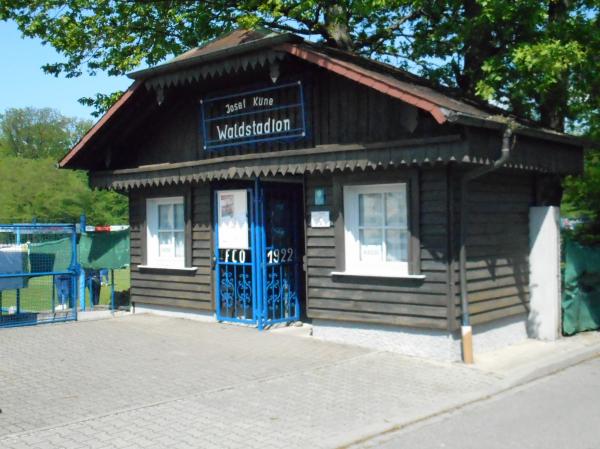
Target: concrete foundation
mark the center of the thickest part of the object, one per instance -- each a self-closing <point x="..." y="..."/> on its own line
<point x="426" y="343"/>
<point x="439" y="345"/>
<point x="190" y="314"/>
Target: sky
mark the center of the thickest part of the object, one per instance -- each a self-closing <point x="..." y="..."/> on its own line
<point x="23" y="83"/>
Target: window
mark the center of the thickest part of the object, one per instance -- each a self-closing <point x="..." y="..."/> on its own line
<point x="376" y="231"/>
<point x="166" y="232"/>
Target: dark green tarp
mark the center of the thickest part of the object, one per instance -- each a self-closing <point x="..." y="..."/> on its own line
<point x="49" y="256"/>
<point x="104" y="250"/>
<point x="581" y="293"/>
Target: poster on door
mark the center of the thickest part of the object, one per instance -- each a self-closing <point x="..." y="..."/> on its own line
<point x="233" y="219"/>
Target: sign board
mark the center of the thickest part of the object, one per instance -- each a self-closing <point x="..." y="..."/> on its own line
<point x="320" y="219"/>
<point x="274" y="113"/>
<point x="233" y="219"/>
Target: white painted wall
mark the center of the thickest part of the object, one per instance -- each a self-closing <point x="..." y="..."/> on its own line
<point x="544" y="273"/>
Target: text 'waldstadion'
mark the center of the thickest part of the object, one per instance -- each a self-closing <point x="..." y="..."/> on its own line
<point x="253" y="128"/>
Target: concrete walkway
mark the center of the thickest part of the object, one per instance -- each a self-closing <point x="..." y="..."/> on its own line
<point x="144" y="381"/>
<point x="557" y="411"/>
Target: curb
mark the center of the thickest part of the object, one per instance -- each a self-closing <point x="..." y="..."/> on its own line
<point x="95" y="315"/>
<point x="529" y="374"/>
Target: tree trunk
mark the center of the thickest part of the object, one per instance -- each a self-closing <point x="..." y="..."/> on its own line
<point x="553" y="103"/>
<point x="337" y="29"/>
<point x="478" y="48"/>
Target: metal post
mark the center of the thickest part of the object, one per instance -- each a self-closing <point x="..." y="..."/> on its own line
<point x="53" y="293"/>
<point x="91" y="293"/>
<point x="259" y="265"/>
<point x="216" y="265"/>
<point x="253" y="269"/>
<point x="18" y="290"/>
<point x="82" y="224"/>
<point x="112" y="289"/>
<point x="81" y="288"/>
<point x="76" y="269"/>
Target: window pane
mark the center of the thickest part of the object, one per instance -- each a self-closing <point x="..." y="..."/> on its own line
<point x="179" y="244"/>
<point x="165" y="244"/>
<point x="396" y="243"/>
<point x="165" y="217"/>
<point x="179" y="216"/>
<point x="370" y="209"/>
<point x="371" y="245"/>
<point x="395" y="209"/>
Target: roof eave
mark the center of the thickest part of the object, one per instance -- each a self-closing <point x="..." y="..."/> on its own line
<point x="497" y="123"/>
<point x="67" y="158"/>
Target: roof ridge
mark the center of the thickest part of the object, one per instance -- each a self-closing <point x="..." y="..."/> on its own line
<point x="218" y="38"/>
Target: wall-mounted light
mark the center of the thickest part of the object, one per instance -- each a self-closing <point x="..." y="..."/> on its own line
<point x="320" y="196"/>
<point x="274" y="71"/>
<point x="160" y="96"/>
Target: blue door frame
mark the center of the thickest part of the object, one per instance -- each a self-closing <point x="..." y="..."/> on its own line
<point x="263" y="287"/>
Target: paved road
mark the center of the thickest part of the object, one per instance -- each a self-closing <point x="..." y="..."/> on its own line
<point x="559" y="411"/>
<point x="151" y="382"/>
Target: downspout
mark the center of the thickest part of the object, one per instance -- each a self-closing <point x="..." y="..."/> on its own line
<point x="465" y="328"/>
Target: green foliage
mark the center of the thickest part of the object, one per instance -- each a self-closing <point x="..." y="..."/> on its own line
<point x="31" y="141"/>
<point x="581" y="197"/>
<point x="39" y="133"/>
<point x="118" y="36"/>
<point x="538" y="59"/>
<point x="35" y="188"/>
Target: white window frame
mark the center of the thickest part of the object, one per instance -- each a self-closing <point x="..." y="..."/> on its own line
<point x="353" y="264"/>
<point x="153" y="258"/>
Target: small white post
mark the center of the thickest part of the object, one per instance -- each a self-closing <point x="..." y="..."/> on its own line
<point x="544" y="273"/>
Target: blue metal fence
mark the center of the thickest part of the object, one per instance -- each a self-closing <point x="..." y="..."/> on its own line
<point x="38" y="273"/>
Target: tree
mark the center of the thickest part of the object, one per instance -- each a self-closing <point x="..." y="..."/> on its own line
<point x="31" y="141"/>
<point x="39" y="133"/>
<point x="538" y="58"/>
<point x="35" y="188"/>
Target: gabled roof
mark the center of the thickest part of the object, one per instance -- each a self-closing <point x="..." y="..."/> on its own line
<point x="236" y="42"/>
<point x="198" y="63"/>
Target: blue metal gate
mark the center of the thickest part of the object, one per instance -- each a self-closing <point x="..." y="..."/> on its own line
<point x="38" y="274"/>
<point x="259" y="282"/>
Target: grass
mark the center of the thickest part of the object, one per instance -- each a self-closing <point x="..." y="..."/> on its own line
<point x="37" y="296"/>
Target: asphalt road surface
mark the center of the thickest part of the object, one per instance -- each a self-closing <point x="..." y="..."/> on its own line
<point x="559" y="411"/>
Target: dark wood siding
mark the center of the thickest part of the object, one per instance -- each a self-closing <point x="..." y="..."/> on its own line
<point x="497" y="246"/>
<point x="172" y="288"/>
<point x="339" y="111"/>
<point x="405" y="302"/>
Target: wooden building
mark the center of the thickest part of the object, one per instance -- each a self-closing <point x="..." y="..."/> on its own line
<point x="274" y="180"/>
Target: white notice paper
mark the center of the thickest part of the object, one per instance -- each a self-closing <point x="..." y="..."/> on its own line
<point x="233" y="219"/>
<point x="320" y="219"/>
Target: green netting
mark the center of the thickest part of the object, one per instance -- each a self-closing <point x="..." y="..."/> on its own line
<point x="581" y="293"/>
<point x="104" y="250"/>
<point x="54" y="255"/>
